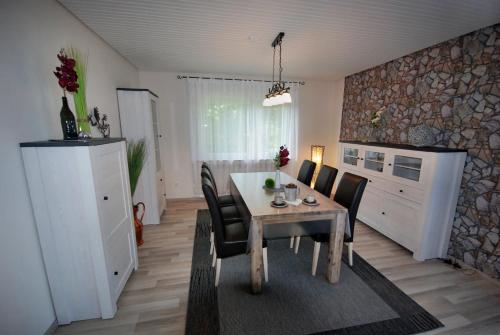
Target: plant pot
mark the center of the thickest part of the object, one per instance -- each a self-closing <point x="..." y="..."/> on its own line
<point x="138" y="222"/>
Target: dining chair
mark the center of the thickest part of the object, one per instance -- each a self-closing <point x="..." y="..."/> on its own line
<point x="230" y="214"/>
<point x="349" y="193"/>
<point x="230" y="239"/>
<point x="324" y="185"/>
<point x="306" y="172"/>
<point x="325" y="180"/>
<point x="224" y="200"/>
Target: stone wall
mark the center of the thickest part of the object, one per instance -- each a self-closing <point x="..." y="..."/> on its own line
<point x="453" y="87"/>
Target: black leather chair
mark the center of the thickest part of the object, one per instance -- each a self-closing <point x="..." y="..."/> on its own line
<point x="230" y="213"/>
<point x="224" y="200"/>
<point x="324" y="184"/>
<point x="325" y="180"/>
<point x="349" y="193"/>
<point x="230" y="239"/>
<point x="306" y="172"/>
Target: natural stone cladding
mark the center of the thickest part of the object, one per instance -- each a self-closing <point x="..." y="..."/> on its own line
<point x="453" y="87"/>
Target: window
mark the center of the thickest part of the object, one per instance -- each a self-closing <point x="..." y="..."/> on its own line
<point x="228" y="121"/>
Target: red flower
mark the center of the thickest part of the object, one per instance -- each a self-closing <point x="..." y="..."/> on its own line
<point x="281" y="158"/>
<point x="66" y="73"/>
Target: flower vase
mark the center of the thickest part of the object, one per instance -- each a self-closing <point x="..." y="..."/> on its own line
<point x="68" y="123"/>
<point x="277" y="179"/>
<point x="138" y="222"/>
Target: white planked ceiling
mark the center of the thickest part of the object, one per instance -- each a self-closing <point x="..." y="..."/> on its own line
<point x="323" y="39"/>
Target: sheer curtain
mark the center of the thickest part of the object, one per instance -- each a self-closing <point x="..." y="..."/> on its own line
<point x="233" y="132"/>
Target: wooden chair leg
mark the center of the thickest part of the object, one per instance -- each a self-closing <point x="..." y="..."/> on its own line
<point x="214" y="258"/>
<point x="211" y="242"/>
<point x="317" y="246"/>
<point x="264" y="260"/>
<point x="297" y="242"/>
<point x="349" y="250"/>
<point x="217" y="271"/>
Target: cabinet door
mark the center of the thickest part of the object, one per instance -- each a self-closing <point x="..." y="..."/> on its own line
<point x="370" y="208"/>
<point x="402" y="217"/>
<point x="374" y="160"/>
<point x="351" y="157"/>
<point x="111" y="187"/>
<point x="160" y="187"/>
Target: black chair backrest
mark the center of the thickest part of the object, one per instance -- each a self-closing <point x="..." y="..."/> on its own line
<point x="206" y="173"/>
<point x="215" y="213"/>
<point x="325" y="180"/>
<point x="306" y="172"/>
<point x="349" y="193"/>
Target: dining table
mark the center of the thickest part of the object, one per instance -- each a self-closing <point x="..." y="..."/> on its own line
<point x="253" y="201"/>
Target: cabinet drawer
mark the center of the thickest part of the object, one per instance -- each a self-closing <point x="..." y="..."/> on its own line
<point x="406" y="191"/>
<point x="397" y="189"/>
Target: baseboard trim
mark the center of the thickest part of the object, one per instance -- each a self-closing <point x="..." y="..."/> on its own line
<point x="52" y="328"/>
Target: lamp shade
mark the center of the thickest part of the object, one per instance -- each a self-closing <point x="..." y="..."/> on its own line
<point x="287" y="98"/>
<point x="317" y="153"/>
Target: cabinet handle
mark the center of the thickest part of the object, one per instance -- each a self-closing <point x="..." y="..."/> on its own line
<point x="383" y="213"/>
<point x="105" y="197"/>
<point x="369" y="180"/>
<point x="401" y="191"/>
<point x="164" y="194"/>
<point x="390" y="164"/>
<point x="159" y="136"/>
<point x="361" y="158"/>
<point x="116" y="273"/>
<point x="357" y="158"/>
<point x="161" y="179"/>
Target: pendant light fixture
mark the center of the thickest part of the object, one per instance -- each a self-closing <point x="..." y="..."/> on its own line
<point x="278" y="94"/>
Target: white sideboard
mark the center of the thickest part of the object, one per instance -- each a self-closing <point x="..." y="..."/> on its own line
<point x="80" y="195"/>
<point x="139" y="119"/>
<point x="411" y="195"/>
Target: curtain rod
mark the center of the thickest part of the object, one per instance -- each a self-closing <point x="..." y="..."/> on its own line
<point x="239" y="79"/>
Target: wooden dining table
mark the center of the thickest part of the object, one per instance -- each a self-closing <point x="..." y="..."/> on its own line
<point x="254" y="204"/>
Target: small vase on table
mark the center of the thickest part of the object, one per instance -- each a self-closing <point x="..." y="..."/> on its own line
<point x="277" y="179"/>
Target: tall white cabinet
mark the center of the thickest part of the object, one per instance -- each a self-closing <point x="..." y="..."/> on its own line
<point x="411" y="195"/>
<point x="81" y="201"/>
<point x="139" y="119"/>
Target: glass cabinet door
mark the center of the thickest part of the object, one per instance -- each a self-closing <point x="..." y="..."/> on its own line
<point x="350" y="156"/>
<point x="374" y="161"/>
<point x="407" y="167"/>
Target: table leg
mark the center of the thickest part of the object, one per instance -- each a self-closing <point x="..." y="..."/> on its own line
<point x="256" y="255"/>
<point x="335" y="252"/>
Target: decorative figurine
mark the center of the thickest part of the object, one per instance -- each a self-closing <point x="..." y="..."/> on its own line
<point x="96" y="121"/>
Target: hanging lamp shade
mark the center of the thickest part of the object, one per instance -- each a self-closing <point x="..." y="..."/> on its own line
<point x="278" y="94"/>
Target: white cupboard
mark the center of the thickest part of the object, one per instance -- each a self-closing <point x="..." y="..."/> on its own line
<point x="139" y="119"/>
<point x="81" y="201"/>
<point x="411" y="195"/>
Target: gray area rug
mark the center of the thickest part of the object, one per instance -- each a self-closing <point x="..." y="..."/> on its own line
<point x="293" y="301"/>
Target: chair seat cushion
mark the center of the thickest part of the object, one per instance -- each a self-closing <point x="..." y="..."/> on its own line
<point x="226" y="200"/>
<point x="230" y="214"/>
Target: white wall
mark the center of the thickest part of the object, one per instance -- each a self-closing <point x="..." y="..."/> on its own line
<point x="319" y="123"/>
<point x="31" y="34"/>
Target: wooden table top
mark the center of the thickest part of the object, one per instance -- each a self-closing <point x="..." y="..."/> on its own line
<point x="257" y="200"/>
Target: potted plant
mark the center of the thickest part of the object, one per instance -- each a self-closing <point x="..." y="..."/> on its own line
<point x="67" y="79"/>
<point x="136" y="154"/>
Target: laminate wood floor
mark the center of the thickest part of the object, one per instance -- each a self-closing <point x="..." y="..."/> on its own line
<point x="154" y="300"/>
